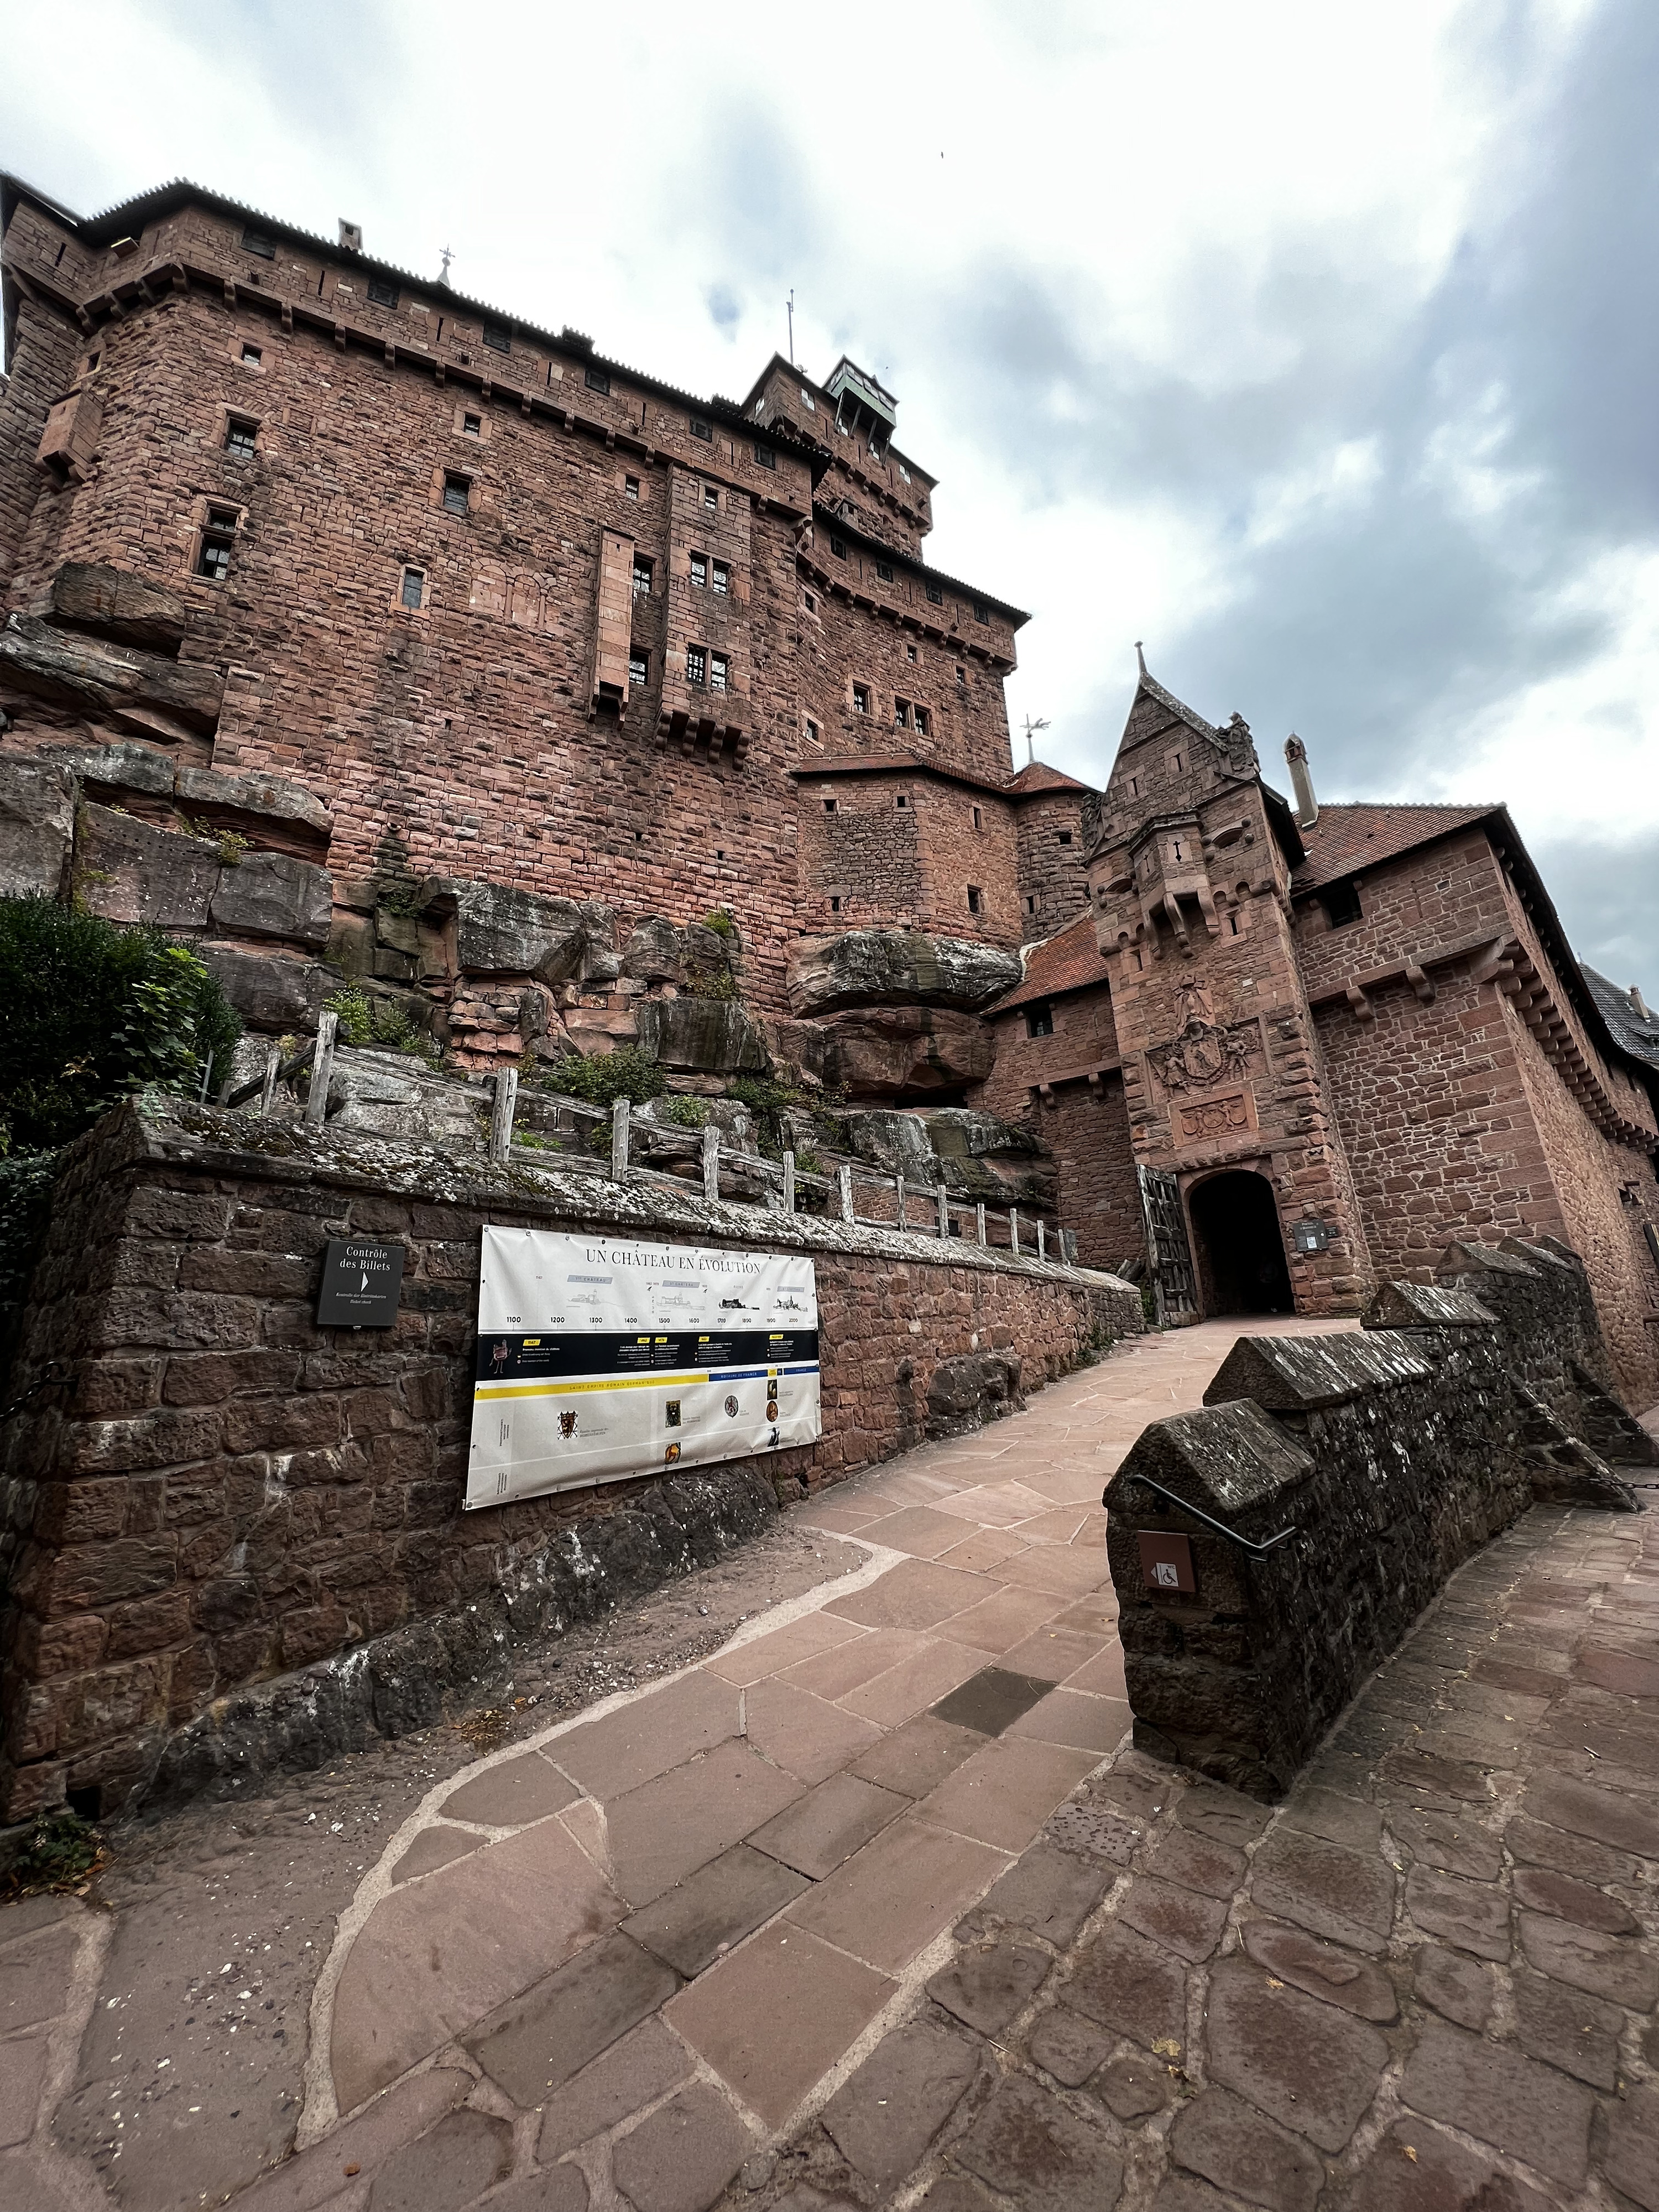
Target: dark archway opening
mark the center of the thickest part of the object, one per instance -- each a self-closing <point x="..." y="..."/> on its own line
<point x="1238" y="1246"/>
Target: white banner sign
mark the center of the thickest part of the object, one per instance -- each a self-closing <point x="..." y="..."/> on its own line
<point x="600" y="1357"/>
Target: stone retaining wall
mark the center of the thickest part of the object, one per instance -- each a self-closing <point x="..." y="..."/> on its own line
<point x="239" y="1537"/>
<point x="1393" y="1454"/>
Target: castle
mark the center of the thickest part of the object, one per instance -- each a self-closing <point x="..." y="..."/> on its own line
<point x="363" y="633"/>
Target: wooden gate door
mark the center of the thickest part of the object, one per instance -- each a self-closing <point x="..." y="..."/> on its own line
<point x="1168" y="1255"/>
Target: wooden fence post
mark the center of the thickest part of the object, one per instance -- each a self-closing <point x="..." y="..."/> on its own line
<point x="788" y="1182"/>
<point x="1043" y="1243"/>
<point x="711" y="1161"/>
<point x="844" y="1177"/>
<point x="1013" y="1230"/>
<point x="322" y="1067"/>
<point x="268" y="1088"/>
<point x="501" y="1119"/>
<point x="944" y="1202"/>
<point x="979" y="1220"/>
<point x="620" y="1111"/>
<point x="898" y="1185"/>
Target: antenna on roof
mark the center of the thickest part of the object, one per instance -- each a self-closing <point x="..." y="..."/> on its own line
<point x="443" y="274"/>
<point x="792" y="325"/>
<point x="1031" y="729"/>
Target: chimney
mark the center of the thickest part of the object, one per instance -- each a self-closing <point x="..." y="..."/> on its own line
<point x="1640" y="1002"/>
<point x="1307" y="806"/>
<point x="351" y="235"/>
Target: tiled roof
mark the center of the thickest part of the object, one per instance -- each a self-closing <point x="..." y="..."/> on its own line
<point x="1070" y="961"/>
<point x="1637" y="1033"/>
<point x="1037" y="776"/>
<point x="1347" y="838"/>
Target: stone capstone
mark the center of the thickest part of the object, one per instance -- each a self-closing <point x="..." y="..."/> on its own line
<point x="965" y="1392"/>
<point x="896" y="967"/>
<point x="37" y="827"/>
<point x="506" y="933"/>
<point x="273" y="991"/>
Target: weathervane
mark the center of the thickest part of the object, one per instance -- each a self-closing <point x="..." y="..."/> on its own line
<point x="443" y="274"/>
<point x="791" y="309"/>
<point x="1031" y="729"/>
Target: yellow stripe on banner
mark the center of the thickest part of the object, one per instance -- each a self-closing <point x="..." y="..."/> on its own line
<point x="567" y="1389"/>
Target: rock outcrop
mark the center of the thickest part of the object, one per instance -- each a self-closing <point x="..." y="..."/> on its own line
<point x="898" y="968"/>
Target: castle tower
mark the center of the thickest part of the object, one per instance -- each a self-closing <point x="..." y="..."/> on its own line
<point x="1189" y="857"/>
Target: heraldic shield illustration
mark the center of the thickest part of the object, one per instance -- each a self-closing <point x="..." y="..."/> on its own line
<point x="603" y="1357"/>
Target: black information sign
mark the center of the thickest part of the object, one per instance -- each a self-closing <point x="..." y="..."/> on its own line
<point x="361" y="1282"/>
<point x="1311" y="1235"/>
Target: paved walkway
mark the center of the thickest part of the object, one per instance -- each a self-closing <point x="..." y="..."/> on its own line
<point x="865" y="1908"/>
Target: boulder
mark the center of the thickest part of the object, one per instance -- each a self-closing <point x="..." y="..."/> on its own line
<point x="269" y="895"/>
<point x="273" y="992"/>
<point x="901" y="968"/>
<point x="894" y="1143"/>
<point x="133" y="766"/>
<point x="37" y="827"/>
<point x="972" y="1388"/>
<point x="704" y="1036"/>
<point x="178" y="696"/>
<point x="653" y="952"/>
<point x="506" y="933"/>
<point x="392" y="1094"/>
<point x="904" y="1052"/>
<point x="129" y="870"/>
<point x="90" y="595"/>
<point x="257" y="799"/>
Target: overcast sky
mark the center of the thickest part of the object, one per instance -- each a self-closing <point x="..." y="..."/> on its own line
<point x="1314" y="344"/>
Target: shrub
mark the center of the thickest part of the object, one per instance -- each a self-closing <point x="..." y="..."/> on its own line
<point x="721" y="922"/>
<point x="382" y="1022"/>
<point x="721" y="984"/>
<point x="628" y="1073"/>
<point x="684" y="1113"/>
<point x="60" y="1851"/>
<point x="94" y="1013"/>
<point x="768" y="1101"/>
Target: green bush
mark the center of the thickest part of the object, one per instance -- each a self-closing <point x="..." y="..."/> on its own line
<point x="94" y="1013"/>
<point x="60" y="1851"/>
<point x="684" y="1113"/>
<point x="721" y="984"/>
<point x="628" y="1073"/>
<point x="382" y="1022"/>
<point x="767" y="1101"/>
<point x="721" y="922"/>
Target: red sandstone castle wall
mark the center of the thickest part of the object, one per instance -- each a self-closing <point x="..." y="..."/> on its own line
<point x="1053" y="879"/>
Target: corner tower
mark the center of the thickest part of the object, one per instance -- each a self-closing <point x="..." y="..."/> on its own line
<point x="1189" y="856"/>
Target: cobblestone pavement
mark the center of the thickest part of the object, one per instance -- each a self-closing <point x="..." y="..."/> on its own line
<point x="868" y="1907"/>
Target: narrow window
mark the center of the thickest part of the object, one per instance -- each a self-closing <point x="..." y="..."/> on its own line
<point x="719" y="578"/>
<point x="976" y="820"/>
<point x="630" y="487"/>
<point x="93" y="360"/>
<point x="255" y="241"/>
<point x="498" y="337"/>
<point x="1065" y="837"/>
<point x="1030" y="903"/>
<point x="961" y="673"/>
<point x="1232" y="924"/>
<point x="982" y="614"/>
<point x="456" y="489"/>
<point x="1177" y="848"/>
<point x="936" y="595"/>
<point x="597" y="381"/>
<point x="909" y="653"/>
<point x="717" y="669"/>
<point x="765" y="457"/>
<point x="217" y="539"/>
<point x="860" y="698"/>
<point x="901" y="714"/>
<point x="700" y="568"/>
<point x="414" y="591"/>
<point x="1134" y="785"/>
<point x="884" y="570"/>
<point x="241" y="436"/>
<point x="472" y="426"/>
<point x="812" y="604"/>
<point x="830" y="806"/>
<point x="702" y="427"/>
<point x="1139" y="963"/>
<point x="902" y="801"/>
<point x="639" y="668"/>
<point x="808" y="402"/>
<point x="975" y="898"/>
<point x="835" y="906"/>
<point x="382" y="293"/>
<point x="711" y="498"/>
<point x="641" y="576"/>
<point x="924" y="721"/>
<point x="1177" y="763"/>
<point x="1342" y="904"/>
<point x="838" y="547"/>
<point x="696" y="665"/>
<point x="812" y="730"/>
<point x="1039" y="1021"/>
<point x="252" y="356"/>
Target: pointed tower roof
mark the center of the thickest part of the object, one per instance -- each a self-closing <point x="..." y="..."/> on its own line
<point x="1232" y="740"/>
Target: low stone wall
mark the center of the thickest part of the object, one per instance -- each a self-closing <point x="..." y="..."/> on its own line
<point x="1392" y="1454"/>
<point x="237" y="1539"/>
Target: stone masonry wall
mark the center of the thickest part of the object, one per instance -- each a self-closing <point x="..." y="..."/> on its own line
<point x="230" y="1493"/>
<point x="1366" y="1467"/>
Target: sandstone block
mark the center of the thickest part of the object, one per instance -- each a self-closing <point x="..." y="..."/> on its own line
<point x="37" y="824"/>
<point x="129" y="870"/>
<point x="880" y="967"/>
<point x="269" y="895"/>
<point x="117" y="603"/>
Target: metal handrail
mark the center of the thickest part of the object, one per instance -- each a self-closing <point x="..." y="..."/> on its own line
<point x="1257" y="1551"/>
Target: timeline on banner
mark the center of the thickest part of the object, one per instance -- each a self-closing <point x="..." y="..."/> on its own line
<point x="604" y="1356"/>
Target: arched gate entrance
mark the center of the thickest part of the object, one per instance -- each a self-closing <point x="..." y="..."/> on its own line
<point x="1237" y="1246"/>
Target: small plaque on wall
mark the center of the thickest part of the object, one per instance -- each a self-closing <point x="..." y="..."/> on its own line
<point x="361" y="1282"/>
<point x="1311" y="1235"/>
<point x="1166" y="1561"/>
